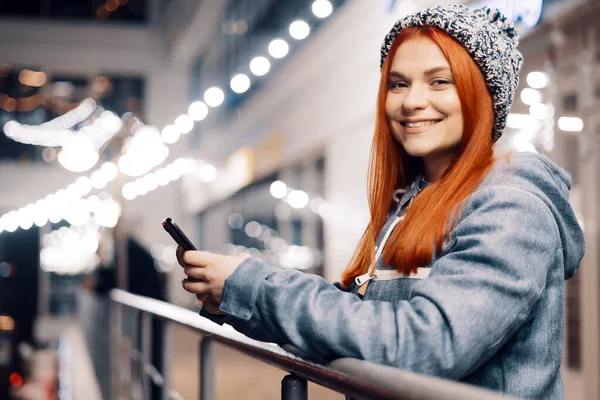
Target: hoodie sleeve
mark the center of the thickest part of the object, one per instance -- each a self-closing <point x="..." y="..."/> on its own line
<point x="478" y="294"/>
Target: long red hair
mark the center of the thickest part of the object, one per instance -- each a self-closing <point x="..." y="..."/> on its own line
<point x="433" y="213"/>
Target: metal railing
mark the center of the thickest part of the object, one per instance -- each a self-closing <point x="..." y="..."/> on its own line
<point x="125" y="367"/>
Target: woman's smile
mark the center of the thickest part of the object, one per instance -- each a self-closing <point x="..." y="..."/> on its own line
<point x="419" y="126"/>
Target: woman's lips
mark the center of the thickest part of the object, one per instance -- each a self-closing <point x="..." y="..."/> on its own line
<point x="419" y="127"/>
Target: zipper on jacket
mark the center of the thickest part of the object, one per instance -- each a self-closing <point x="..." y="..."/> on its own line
<point x="372" y="273"/>
<point x="362" y="281"/>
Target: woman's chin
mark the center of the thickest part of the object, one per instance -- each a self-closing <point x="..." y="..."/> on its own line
<point x="418" y="151"/>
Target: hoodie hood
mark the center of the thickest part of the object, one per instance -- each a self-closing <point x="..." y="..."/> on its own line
<point x="544" y="178"/>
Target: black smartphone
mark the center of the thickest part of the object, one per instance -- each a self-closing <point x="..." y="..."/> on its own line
<point x="177" y="234"/>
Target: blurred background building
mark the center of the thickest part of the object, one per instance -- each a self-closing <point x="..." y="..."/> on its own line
<point x="249" y="123"/>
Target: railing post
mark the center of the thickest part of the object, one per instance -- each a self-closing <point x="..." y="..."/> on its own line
<point x="294" y="388"/>
<point x="127" y="349"/>
<point x="207" y="375"/>
<point x="146" y="352"/>
<point x="116" y="350"/>
<point x="137" y="363"/>
<point x="103" y="352"/>
<point x="166" y="360"/>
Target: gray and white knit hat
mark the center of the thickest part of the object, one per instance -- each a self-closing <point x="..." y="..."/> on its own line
<point x="489" y="37"/>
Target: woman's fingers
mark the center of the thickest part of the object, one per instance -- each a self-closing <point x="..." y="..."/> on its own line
<point x="193" y="286"/>
<point x="195" y="272"/>
<point x="196" y="264"/>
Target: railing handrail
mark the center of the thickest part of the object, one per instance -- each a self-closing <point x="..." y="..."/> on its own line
<point x="356" y="378"/>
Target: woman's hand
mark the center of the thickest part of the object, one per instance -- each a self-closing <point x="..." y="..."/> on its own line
<point x="206" y="275"/>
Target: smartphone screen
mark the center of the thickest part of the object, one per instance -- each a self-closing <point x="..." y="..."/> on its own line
<point x="177" y="234"/>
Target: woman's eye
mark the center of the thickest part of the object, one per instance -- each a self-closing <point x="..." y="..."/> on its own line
<point x="397" y="84"/>
<point x="439" y="82"/>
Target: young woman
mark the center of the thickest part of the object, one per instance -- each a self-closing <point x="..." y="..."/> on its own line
<point x="460" y="272"/>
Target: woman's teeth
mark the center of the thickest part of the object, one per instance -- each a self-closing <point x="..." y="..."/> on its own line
<point x="421" y="123"/>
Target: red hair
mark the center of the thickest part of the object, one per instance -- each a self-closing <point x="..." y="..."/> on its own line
<point x="433" y="213"/>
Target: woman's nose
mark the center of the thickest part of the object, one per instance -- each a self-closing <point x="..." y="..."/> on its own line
<point x="416" y="99"/>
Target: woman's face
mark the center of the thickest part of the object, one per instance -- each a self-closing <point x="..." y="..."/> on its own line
<point x="422" y="105"/>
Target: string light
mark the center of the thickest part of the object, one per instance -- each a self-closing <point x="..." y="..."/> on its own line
<point x="70" y="251"/>
<point x="184" y="124"/>
<point x="144" y="151"/>
<point x="214" y="96"/>
<point x="57" y="206"/>
<point x="531" y="96"/>
<point x="207" y="173"/>
<point x="570" y="124"/>
<point x="240" y="83"/>
<point x="299" y="199"/>
<point x="278" y="48"/>
<point x="278" y="189"/>
<point x="299" y="30"/>
<point x="57" y="132"/>
<point x="322" y="8"/>
<point x="537" y="79"/>
<point x="170" y="134"/>
<point x="78" y="154"/>
<point x="167" y="174"/>
<point x="165" y="255"/>
<point x="198" y="110"/>
<point x="259" y="66"/>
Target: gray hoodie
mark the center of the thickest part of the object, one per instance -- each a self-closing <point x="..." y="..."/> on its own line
<point x="488" y="310"/>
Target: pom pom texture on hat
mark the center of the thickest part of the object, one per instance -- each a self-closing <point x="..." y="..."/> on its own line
<point x="489" y="37"/>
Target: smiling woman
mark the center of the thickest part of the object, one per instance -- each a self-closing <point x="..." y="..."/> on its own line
<point x="427" y="109"/>
<point x="460" y="272"/>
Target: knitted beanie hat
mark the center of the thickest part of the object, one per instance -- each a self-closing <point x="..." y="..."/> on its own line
<point x="489" y="37"/>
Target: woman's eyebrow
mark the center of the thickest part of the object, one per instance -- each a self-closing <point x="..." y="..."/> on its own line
<point x="396" y="74"/>
<point x="430" y="71"/>
<point x="435" y="70"/>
